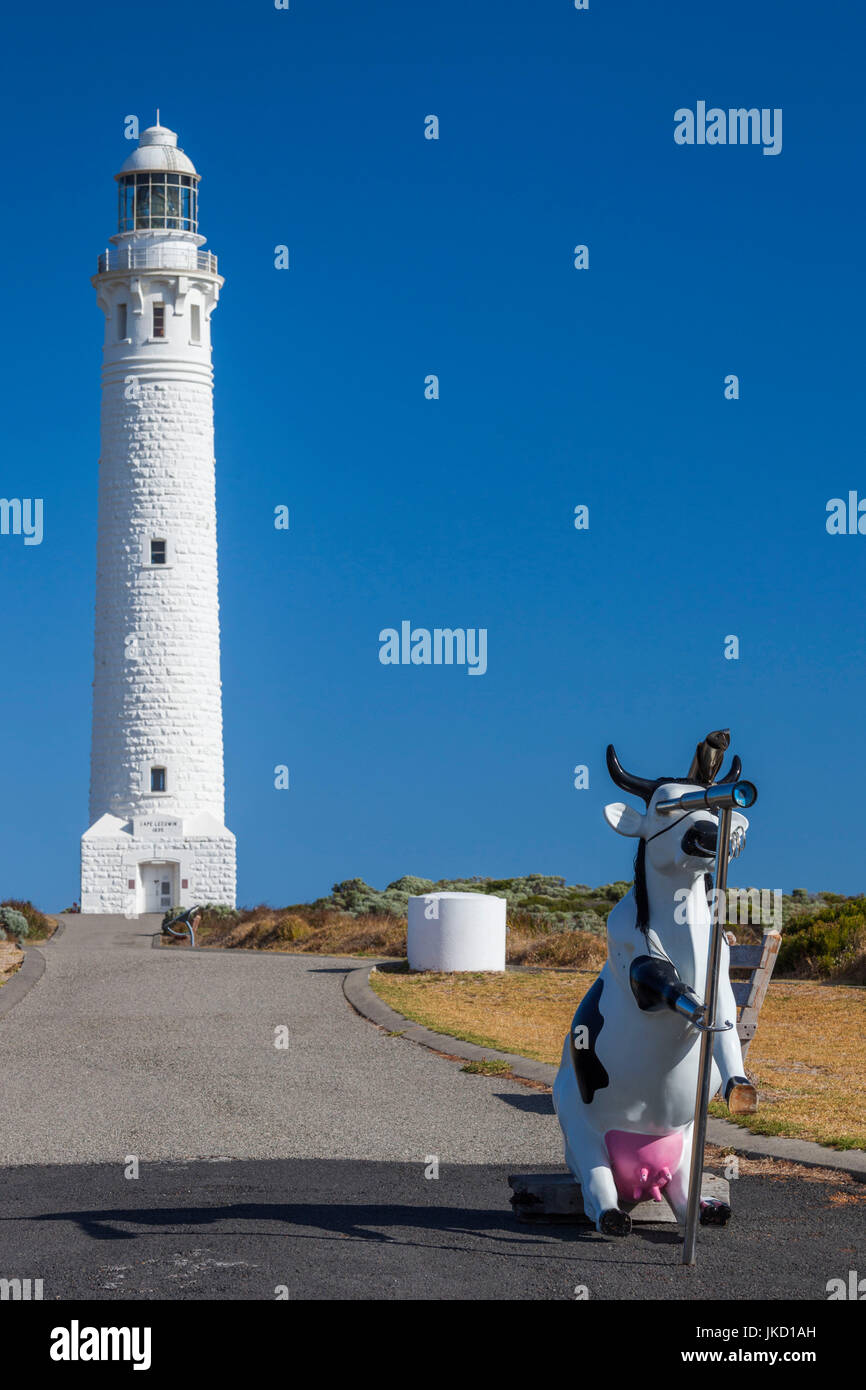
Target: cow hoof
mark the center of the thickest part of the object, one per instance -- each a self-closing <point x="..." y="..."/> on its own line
<point x="714" y="1212"/>
<point x="741" y="1096"/>
<point x="615" y="1222"/>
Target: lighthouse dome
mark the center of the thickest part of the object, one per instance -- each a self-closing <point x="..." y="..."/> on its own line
<point x="158" y="150"/>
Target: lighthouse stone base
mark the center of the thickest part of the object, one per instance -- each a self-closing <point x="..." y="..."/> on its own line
<point x="150" y="864"/>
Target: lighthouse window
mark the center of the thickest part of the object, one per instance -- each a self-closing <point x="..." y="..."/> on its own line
<point x="157" y="779"/>
<point x="172" y="200"/>
<point x="126" y="191"/>
<point x="157" y="199"/>
<point x="142" y="203"/>
<point x="159" y="320"/>
<point x="121" y="321"/>
<point x="157" y="552"/>
<point x="195" y="323"/>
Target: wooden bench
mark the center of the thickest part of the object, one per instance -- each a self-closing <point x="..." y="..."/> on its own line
<point x="751" y="970"/>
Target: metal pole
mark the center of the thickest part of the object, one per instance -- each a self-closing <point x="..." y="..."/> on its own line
<point x="711" y="989"/>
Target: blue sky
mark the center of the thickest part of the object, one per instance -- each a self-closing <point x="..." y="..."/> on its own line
<point x="558" y="387"/>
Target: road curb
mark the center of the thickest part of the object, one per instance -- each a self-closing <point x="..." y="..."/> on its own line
<point x="367" y="1003"/>
<point x="30" y="971"/>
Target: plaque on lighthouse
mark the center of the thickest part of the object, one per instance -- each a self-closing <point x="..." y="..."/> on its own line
<point x="157" y="833"/>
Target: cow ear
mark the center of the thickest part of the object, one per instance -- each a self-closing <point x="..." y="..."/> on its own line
<point x="625" y="820"/>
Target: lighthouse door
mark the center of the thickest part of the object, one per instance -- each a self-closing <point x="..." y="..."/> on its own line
<point x="157" y="880"/>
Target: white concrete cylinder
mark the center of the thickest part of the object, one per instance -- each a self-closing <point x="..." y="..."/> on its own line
<point x="456" y="931"/>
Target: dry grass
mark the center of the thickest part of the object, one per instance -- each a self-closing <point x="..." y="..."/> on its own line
<point x="809" y="1063"/>
<point x="10" y="959"/>
<point x="313" y="932"/>
<point x="527" y="1012"/>
<point x="574" y="950"/>
<point x="852" y="1190"/>
<point x="808" y="1058"/>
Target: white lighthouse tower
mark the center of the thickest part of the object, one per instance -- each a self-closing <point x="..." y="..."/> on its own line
<point x="157" y="836"/>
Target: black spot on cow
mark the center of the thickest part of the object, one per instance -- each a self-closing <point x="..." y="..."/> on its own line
<point x="591" y="1075"/>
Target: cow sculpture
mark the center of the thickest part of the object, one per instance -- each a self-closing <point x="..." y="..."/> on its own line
<point x="625" y="1090"/>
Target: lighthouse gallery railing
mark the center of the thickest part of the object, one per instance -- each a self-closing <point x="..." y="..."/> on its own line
<point x="164" y="257"/>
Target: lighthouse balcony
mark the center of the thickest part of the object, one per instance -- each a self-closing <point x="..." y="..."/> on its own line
<point x="169" y="255"/>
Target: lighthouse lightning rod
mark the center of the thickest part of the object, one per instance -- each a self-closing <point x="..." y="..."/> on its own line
<point x="724" y="799"/>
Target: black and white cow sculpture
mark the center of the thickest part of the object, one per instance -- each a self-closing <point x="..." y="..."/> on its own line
<point x="626" y="1086"/>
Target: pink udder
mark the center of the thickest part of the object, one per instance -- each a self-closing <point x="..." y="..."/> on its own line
<point x="642" y="1164"/>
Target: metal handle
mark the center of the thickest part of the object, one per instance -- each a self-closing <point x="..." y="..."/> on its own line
<point x="713" y="1028"/>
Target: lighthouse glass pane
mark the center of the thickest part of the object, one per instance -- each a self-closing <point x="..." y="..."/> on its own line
<point x="142" y="201"/>
<point x="126" y="193"/>
<point x="184" y="209"/>
<point x="157" y="552"/>
<point x="172" y="206"/>
<point x="159" y="320"/>
<point x="157" y="202"/>
<point x="157" y="779"/>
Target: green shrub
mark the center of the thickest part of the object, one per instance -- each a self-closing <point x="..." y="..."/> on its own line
<point x="591" y="922"/>
<point x="38" y="924"/>
<point x="412" y="887"/>
<point x="826" y="942"/>
<point x="15" y="922"/>
<point x="614" y="891"/>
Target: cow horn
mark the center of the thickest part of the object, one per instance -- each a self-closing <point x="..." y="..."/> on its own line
<point x="709" y="756"/>
<point x="733" y="773"/>
<point x="637" y="786"/>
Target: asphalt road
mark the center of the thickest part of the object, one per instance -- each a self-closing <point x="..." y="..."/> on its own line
<point x="344" y="1229"/>
<point x="303" y="1168"/>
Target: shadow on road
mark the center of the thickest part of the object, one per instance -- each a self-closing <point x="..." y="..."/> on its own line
<point x="345" y="1229"/>
<point x="533" y="1103"/>
<point x="364" y="1221"/>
